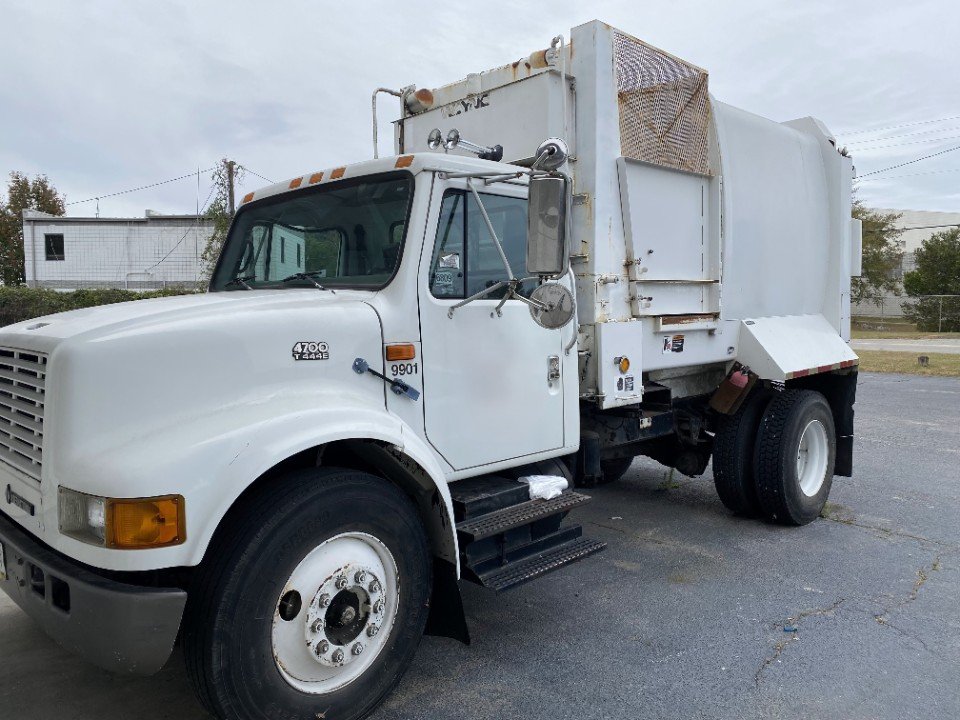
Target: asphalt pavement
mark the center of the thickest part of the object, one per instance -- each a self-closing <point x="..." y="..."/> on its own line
<point x="935" y="345"/>
<point x="689" y="613"/>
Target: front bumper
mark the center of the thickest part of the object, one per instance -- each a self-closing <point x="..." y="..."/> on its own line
<point x="120" y="627"/>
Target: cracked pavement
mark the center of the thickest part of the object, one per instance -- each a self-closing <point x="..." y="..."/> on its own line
<point x="689" y="613"/>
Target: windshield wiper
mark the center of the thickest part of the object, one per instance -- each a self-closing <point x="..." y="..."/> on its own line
<point x="309" y="277"/>
<point x="242" y="281"/>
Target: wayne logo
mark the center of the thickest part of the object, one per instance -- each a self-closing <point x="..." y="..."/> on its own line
<point x="311" y="351"/>
<point x="462" y="106"/>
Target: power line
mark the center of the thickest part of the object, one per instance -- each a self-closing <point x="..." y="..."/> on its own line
<point x="912" y="142"/>
<point x="895" y="127"/>
<point x="911" y="162"/>
<point x="183" y="237"/>
<point x="897" y="137"/>
<point x="253" y="172"/>
<point x="142" y="187"/>
<point x="898" y="177"/>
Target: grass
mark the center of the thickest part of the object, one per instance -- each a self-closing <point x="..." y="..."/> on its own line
<point x="941" y="364"/>
<point x="907" y="334"/>
<point x="864" y="327"/>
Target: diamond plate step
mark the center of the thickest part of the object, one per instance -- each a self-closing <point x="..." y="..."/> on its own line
<point x="499" y="521"/>
<point x="526" y="570"/>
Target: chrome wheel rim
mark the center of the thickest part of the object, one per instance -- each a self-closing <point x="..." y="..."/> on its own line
<point x="335" y="613"/>
<point x="812" y="456"/>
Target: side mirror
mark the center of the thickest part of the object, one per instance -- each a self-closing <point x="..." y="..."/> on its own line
<point x="547" y="226"/>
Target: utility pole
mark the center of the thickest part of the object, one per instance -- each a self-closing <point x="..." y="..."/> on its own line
<point x="230" y="165"/>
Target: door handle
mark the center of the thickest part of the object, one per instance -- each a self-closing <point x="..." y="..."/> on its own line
<point x="553" y="368"/>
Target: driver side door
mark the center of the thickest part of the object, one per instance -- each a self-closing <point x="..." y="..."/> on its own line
<point x="488" y="391"/>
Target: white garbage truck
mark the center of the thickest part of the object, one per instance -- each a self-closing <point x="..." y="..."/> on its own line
<point x="569" y="261"/>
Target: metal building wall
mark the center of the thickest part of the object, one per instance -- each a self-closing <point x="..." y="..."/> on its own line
<point x="146" y="253"/>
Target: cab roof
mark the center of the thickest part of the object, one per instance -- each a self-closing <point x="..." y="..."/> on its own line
<point x="415" y="163"/>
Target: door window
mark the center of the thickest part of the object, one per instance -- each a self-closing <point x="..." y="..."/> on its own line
<point x="465" y="257"/>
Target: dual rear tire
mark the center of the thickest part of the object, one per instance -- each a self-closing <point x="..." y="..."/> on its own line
<point x="774" y="457"/>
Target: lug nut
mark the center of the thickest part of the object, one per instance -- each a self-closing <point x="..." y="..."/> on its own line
<point x="323" y="600"/>
<point x="378" y="606"/>
<point x="372" y="631"/>
<point x="317" y="625"/>
<point x="374" y="586"/>
<point x="322" y="647"/>
<point x="357" y="649"/>
<point x="360" y="577"/>
<point x="337" y="656"/>
<point x="341" y="582"/>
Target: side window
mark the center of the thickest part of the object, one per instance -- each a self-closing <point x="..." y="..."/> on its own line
<point x="447" y="271"/>
<point x="465" y="257"/>
<point x="323" y="250"/>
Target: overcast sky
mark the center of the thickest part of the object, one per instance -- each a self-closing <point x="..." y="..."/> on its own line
<point x="105" y="96"/>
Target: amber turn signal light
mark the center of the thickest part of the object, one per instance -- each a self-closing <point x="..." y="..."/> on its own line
<point x="623" y="363"/>
<point x="145" y="522"/>
<point x="403" y="351"/>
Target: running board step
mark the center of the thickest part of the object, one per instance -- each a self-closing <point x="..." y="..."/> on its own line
<point x="517" y="573"/>
<point x="516" y="516"/>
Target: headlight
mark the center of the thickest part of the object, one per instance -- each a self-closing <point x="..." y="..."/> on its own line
<point x="122" y="523"/>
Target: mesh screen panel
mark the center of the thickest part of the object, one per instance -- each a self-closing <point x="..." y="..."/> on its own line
<point x="664" y="107"/>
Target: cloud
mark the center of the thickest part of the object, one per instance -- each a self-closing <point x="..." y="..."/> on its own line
<point x="103" y="96"/>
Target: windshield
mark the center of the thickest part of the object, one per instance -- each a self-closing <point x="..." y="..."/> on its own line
<point x="346" y="234"/>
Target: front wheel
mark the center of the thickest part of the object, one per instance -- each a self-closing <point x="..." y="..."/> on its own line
<point x="314" y="604"/>
<point x="795" y="453"/>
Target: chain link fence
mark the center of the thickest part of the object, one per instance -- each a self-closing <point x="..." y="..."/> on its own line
<point x="930" y="313"/>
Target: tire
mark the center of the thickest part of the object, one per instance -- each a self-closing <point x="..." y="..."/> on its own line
<point x="733" y="451"/>
<point x="795" y="453"/>
<point x="615" y="469"/>
<point x="251" y="649"/>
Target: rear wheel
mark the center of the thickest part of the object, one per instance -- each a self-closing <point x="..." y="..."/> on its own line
<point x="314" y="604"/>
<point x="733" y="451"/>
<point x="796" y="449"/>
<point x="615" y="469"/>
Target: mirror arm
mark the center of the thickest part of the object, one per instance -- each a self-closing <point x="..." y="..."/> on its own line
<point x="511" y="294"/>
<point x="532" y="303"/>
<point x="493" y="233"/>
<point x="477" y="296"/>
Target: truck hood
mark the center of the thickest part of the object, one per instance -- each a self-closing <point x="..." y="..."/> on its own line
<point x="45" y="333"/>
<point x="118" y="375"/>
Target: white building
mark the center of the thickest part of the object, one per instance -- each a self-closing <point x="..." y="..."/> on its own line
<point x="148" y="253"/>
<point x="917" y="225"/>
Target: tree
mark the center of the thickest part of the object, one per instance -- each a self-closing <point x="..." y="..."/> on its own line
<point x="937" y="273"/>
<point x="882" y="255"/>
<point x="23" y="194"/>
<point x="218" y="211"/>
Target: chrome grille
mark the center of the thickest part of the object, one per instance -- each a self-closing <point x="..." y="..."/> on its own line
<point x="22" y="378"/>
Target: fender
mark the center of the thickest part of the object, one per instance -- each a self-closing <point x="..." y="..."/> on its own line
<point x="218" y="457"/>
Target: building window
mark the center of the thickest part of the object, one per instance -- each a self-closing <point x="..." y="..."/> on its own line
<point x="53" y="245"/>
<point x="298" y="257"/>
<point x="283" y="250"/>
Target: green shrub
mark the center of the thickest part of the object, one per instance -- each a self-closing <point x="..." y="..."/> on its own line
<point x="23" y="303"/>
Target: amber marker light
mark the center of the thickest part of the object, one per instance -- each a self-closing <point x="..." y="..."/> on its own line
<point x="145" y="522"/>
<point x="401" y="351"/>
<point x="623" y="363"/>
<point x="122" y="523"/>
